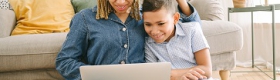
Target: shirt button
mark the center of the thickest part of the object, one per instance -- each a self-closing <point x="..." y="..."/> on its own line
<point x="123" y="29"/>
<point x="125" y="46"/>
<point x="122" y="62"/>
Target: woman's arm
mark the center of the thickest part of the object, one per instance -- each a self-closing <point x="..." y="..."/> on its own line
<point x="69" y="59"/>
<point x="187" y="12"/>
<point x="184" y="6"/>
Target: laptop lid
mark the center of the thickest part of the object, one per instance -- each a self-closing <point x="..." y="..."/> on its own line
<point x="139" y="71"/>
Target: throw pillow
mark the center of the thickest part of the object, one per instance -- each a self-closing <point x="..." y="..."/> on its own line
<point x="7" y="22"/>
<point x="42" y="16"/>
<point x="4" y="4"/>
<point x="209" y="9"/>
<point x="78" y="5"/>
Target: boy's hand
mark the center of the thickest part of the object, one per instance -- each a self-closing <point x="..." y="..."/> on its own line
<point x="194" y="74"/>
<point x="189" y="74"/>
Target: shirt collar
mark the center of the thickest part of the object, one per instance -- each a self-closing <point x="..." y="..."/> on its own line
<point x="179" y="30"/>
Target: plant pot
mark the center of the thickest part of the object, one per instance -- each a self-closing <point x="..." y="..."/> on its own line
<point x="239" y="3"/>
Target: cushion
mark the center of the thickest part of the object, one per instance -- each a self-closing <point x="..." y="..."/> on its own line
<point x="42" y="16"/>
<point x="29" y="52"/>
<point x="43" y="74"/>
<point x="4" y="4"/>
<point x="209" y="9"/>
<point x="7" y="22"/>
<point x="78" y="5"/>
<point x="222" y="36"/>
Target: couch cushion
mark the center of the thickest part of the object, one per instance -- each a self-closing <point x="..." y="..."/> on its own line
<point x="78" y="5"/>
<point x="45" y="74"/>
<point x="222" y="36"/>
<point x="27" y="52"/>
<point x="211" y="9"/>
<point x="7" y="22"/>
<point x="42" y="16"/>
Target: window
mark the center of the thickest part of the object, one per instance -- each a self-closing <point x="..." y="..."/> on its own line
<point x="258" y="16"/>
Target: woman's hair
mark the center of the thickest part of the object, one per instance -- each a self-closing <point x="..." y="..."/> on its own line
<point x="154" y="5"/>
<point x="104" y="8"/>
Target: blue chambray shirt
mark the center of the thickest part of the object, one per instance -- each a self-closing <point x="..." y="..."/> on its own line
<point x="180" y="49"/>
<point x="102" y="42"/>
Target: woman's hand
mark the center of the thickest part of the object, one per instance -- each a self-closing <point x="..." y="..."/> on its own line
<point x="184" y="6"/>
<point x="179" y="1"/>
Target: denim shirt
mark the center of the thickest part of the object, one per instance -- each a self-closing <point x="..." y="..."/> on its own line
<point x="102" y="42"/>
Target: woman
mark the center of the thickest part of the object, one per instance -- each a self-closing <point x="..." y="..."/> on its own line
<point x="111" y="33"/>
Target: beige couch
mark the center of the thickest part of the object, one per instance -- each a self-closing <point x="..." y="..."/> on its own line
<point x="28" y="57"/>
<point x="224" y="38"/>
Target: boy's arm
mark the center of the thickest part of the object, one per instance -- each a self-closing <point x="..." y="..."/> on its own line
<point x="201" y="52"/>
<point x="187" y="12"/>
<point x="201" y="71"/>
<point x="203" y="61"/>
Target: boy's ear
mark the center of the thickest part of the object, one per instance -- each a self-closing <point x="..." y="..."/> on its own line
<point x="176" y="17"/>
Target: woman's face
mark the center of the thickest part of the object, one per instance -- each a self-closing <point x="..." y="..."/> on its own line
<point x="121" y="6"/>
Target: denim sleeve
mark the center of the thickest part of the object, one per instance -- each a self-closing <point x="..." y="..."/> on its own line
<point x="69" y="58"/>
<point x="194" y="17"/>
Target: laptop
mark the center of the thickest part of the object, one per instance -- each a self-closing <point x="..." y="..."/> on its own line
<point x="138" y="71"/>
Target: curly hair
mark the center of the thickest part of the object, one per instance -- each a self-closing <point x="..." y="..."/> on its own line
<point x="104" y="8"/>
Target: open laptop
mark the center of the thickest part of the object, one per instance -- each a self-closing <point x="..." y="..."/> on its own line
<point x="139" y="71"/>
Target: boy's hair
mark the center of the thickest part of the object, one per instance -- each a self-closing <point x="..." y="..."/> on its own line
<point x="154" y="5"/>
<point x="104" y="8"/>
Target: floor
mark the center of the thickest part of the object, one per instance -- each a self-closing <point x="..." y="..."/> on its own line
<point x="239" y="73"/>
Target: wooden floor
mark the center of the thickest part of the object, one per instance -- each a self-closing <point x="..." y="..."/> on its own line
<point x="239" y="73"/>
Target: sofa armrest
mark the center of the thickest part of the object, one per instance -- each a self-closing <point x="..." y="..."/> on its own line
<point x="222" y="36"/>
<point x="7" y="22"/>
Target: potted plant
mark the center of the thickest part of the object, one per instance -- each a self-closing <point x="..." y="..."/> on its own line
<point x="239" y="3"/>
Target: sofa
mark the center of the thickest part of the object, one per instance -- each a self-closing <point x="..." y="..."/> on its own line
<point x="224" y="37"/>
<point x="32" y="56"/>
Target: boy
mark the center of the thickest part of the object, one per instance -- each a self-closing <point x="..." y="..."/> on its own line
<point x="182" y="44"/>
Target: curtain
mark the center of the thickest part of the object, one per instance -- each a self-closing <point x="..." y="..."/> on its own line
<point x="262" y="36"/>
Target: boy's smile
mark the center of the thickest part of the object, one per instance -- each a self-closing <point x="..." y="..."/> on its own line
<point x="159" y="24"/>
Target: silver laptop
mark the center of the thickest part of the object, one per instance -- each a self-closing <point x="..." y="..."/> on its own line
<point x="139" y="71"/>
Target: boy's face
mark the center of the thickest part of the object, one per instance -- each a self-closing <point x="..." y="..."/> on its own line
<point x="159" y="24"/>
